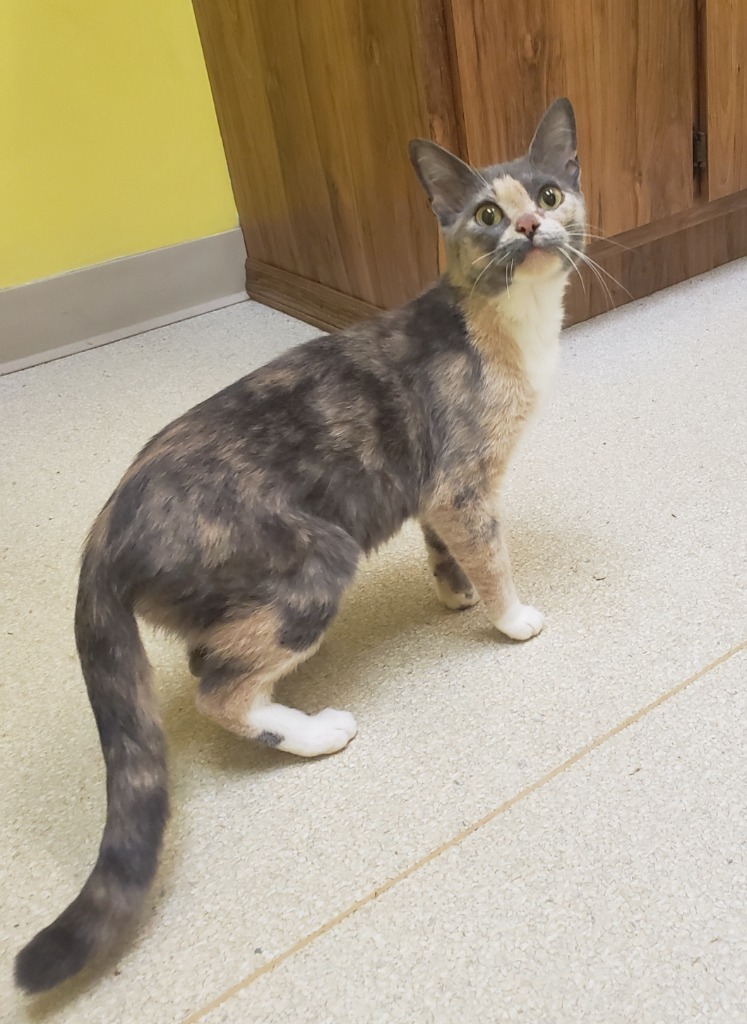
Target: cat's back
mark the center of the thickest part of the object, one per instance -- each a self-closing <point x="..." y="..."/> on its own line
<point x="375" y="364"/>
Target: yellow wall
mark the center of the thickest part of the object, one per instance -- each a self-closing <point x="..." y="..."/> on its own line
<point x="108" y="139"/>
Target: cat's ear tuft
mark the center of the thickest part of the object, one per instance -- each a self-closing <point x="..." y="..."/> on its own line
<point x="554" y="144"/>
<point x="449" y="182"/>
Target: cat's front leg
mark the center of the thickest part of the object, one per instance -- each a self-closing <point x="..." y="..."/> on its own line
<point x="472" y="533"/>
<point x="453" y="589"/>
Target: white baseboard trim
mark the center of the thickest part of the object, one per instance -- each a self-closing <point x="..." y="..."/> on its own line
<point x="86" y="308"/>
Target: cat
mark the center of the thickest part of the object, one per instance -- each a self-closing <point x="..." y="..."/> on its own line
<point x="240" y="525"/>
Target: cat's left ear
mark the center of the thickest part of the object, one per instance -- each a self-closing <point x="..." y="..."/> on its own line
<point x="449" y="182"/>
<point x="554" y="144"/>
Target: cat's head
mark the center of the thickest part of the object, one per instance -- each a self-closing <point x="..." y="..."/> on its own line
<point x="510" y="220"/>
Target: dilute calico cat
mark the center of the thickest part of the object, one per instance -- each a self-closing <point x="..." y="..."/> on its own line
<point x="240" y="525"/>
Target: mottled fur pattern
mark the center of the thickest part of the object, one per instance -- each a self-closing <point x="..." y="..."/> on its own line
<point x="240" y="525"/>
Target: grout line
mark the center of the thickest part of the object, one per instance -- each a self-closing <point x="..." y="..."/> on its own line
<point x="307" y="940"/>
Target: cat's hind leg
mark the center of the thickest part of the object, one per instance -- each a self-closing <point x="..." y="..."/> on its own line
<point x="242" y="663"/>
<point x="453" y="588"/>
<point x="241" y="656"/>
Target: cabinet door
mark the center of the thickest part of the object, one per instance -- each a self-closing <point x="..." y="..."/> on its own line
<point x="628" y="67"/>
<point x="725" y="31"/>
<point x="316" y="103"/>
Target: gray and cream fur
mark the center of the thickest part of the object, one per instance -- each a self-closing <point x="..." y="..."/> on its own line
<point x="241" y="524"/>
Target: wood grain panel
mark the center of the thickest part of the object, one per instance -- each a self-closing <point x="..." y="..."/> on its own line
<point x="310" y="301"/>
<point x="440" y="83"/>
<point x="725" y="50"/>
<point x="660" y="255"/>
<point x="443" y="104"/>
<point x="628" y="66"/>
<point x="316" y="104"/>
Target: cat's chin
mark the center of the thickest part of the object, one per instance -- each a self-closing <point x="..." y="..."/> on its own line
<point x="540" y="262"/>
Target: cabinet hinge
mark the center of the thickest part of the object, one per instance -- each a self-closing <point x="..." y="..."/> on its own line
<point x="700" y="150"/>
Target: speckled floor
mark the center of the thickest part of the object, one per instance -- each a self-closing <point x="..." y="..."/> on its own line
<point x="552" y="833"/>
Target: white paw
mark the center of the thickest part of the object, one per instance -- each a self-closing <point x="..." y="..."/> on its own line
<point x="521" y="622"/>
<point x="335" y="729"/>
<point x="457" y="602"/>
<point x="323" y="733"/>
<point x="293" y="731"/>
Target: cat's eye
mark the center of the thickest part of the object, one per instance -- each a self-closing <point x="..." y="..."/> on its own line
<point x="488" y="215"/>
<point x="550" y="197"/>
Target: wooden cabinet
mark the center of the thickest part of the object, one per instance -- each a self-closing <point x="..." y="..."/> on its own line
<point x="724" y="93"/>
<point x="316" y="104"/>
<point x="317" y="101"/>
<point x="627" y="67"/>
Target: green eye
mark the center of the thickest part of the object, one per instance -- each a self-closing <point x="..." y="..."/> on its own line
<point x="488" y="215"/>
<point x="549" y="197"/>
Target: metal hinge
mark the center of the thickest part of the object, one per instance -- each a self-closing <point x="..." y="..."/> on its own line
<point x="700" y="150"/>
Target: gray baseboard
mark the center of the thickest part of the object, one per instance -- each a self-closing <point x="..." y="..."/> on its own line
<point x="61" y="315"/>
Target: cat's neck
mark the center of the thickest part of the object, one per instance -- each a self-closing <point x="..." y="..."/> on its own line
<point x="518" y="330"/>
<point x="532" y="304"/>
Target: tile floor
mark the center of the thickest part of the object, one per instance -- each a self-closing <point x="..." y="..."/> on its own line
<point x="552" y="833"/>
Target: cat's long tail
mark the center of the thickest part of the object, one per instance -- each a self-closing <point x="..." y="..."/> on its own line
<point x="118" y="678"/>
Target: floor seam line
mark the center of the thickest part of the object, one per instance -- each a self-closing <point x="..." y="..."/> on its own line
<point x="459" y="838"/>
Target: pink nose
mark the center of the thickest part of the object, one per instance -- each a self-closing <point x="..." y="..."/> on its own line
<point x="527" y="224"/>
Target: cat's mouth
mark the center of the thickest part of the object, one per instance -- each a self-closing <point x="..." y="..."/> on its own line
<point x="540" y="255"/>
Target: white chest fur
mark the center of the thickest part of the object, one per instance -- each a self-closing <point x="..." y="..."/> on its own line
<point x="532" y="313"/>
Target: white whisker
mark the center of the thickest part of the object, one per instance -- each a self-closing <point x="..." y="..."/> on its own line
<point x="573" y="265"/>
<point x="479" y="276"/>
<point x="598" y="268"/>
<point x="494" y="262"/>
<point x="484" y="256"/>
<point x="610" y="276"/>
<point x="604" y="238"/>
<point x="593" y="267"/>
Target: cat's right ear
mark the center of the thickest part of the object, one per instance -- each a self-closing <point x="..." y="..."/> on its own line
<point x="554" y="144"/>
<point x="449" y="182"/>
